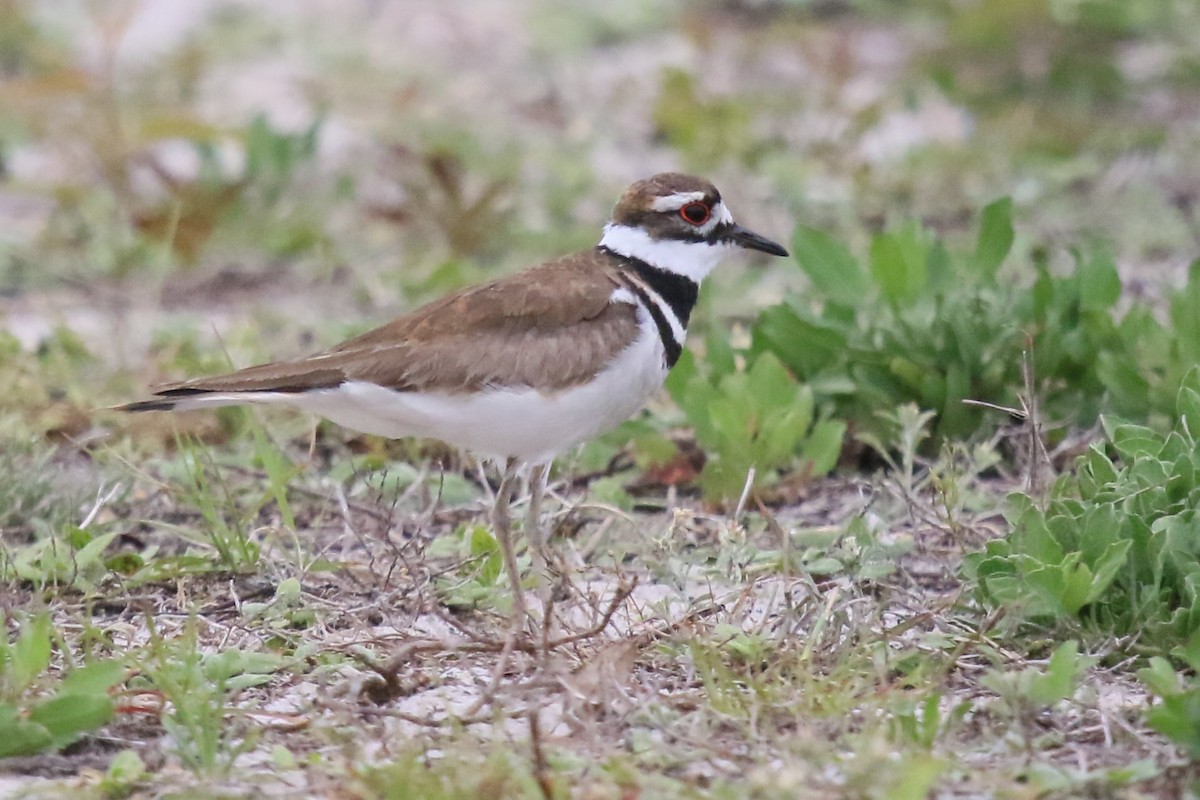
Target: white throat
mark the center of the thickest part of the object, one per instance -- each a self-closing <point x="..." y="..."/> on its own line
<point x="691" y="259"/>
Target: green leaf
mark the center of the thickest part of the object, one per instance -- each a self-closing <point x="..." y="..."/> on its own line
<point x="1190" y="651"/>
<point x="910" y="373"/>
<point x="873" y="571"/>
<point x="995" y="235"/>
<point x="824" y="565"/>
<point x="1074" y="587"/>
<point x="898" y="264"/>
<point x="1123" y="377"/>
<point x="21" y="737"/>
<point x="806" y="346"/>
<point x="719" y="353"/>
<point x="244" y="661"/>
<point x="92" y="552"/>
<point x="67" y="717"/>
<point x="1159" y="677"/>
<point x="288" y="587"/>
<point x="683" y="371"/>
<point x="611" y="491"/>
<point x="1098" y="466"/>
<point x="126" y="768"/>
<point x="1132" y="441"/>
<point x="916" y="777"/>
<point x="31" y="655"/>
<point x="95" y="678"/>
<point x="779" y="434"/>
<point x="1058" y="681"/>
<point x="942" y="275"/>
<point x="1106" y="569"/>
<point x="1185" y="317"/>
<point x="1033" y="539"/>
<point x="823" y="446"/>
<point x="1099" y="283"/>
<point x="831" y="267"/>
<point x="956" y="415"/>
<point x="770" y="384"/>
<point x="484" y="544"/>
<point x="692" y="392"/>
<point x="1187" y="402"/>
<point x="733" y="422"/>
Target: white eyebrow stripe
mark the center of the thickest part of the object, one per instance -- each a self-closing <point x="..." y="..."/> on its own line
<point x="674" y="202"/>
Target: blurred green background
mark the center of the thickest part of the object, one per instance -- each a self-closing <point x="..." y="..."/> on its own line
<point x="352" y="158"/>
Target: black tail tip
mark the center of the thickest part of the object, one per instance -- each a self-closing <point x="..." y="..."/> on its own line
<point x="147" y="405"/>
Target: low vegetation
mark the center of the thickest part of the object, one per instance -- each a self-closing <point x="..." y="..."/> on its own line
<point x="915" y="516"/>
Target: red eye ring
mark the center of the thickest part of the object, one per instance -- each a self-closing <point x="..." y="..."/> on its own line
<point x="695" y="213"/>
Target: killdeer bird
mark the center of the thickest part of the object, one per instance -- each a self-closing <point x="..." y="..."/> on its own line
<point x="522" y="367"/>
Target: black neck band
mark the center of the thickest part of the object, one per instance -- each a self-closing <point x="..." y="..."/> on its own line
<point x="677" y="291"/>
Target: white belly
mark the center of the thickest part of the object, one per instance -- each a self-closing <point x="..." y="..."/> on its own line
<point x="525" y="423"/>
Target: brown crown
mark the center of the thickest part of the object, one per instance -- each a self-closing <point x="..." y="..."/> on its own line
<point x="636" y="206"/>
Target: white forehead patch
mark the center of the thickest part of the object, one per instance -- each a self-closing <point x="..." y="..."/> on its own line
<point x="674" y="202"/>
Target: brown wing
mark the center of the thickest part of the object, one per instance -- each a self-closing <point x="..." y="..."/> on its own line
<point x="552" y="326"/>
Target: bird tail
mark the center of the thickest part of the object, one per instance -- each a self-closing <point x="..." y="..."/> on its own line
<point x="266" y="383"/>
<point x="191" y="399"/>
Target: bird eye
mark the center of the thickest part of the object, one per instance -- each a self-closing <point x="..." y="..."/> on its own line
<point x="695" y="213"/>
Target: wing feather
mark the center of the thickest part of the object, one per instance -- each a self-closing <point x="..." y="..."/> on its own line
<point x="552" y="326"/>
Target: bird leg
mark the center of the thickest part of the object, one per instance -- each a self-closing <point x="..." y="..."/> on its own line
<point x="538" y="474"/>
<point x="502" y="522"/>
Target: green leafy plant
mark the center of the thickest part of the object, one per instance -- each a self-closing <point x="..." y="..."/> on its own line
<point x="854" y="550"/>
<point x="125" y="773"/>
<point x="74" y="558"/>
<point x="36" y="714"/>
<point x="199" y="688"/>
<point x="1117" y="546"/>
<point x="911" y="325"/>
<point x="759" y="418"/>
<point x="1071" y="327"/>
<point x="922" y="723"/>
<point x="229" y="510"/>
<point x="1177" y="715"/>
<point x="285" y="611"/>
<point x="1025" y="693"/>
<point x="478" y="581"/>
<point x="918" y="323"/>
<point x="1142" y="383"/>
<point x="226" y="522"/>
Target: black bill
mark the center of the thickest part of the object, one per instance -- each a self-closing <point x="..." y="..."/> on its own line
<point x="752" y="241"/>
